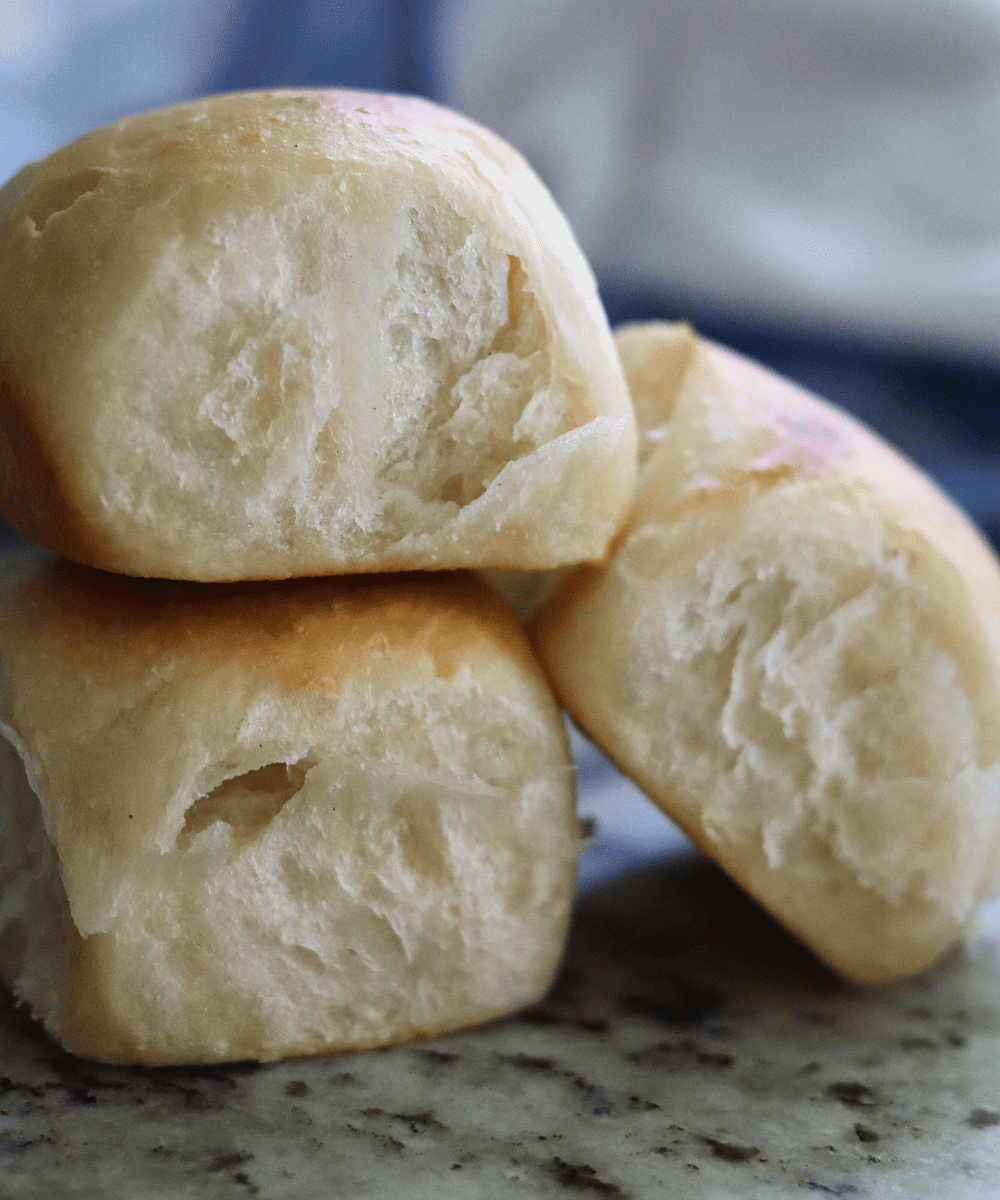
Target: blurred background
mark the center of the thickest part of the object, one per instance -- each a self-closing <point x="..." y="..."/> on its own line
<point x="814" y="182"/>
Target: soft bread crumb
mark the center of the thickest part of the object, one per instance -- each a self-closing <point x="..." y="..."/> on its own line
<point x="789" y="651"/>
<point x="256" y="823"/>
<point x="303" y="333"/>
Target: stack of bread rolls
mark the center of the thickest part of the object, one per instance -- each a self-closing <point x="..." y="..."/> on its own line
<point x="265" y="798"/>
<point x="243" y="342"/>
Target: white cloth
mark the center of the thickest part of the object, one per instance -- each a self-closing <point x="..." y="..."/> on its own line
<point x="832" y="163"/>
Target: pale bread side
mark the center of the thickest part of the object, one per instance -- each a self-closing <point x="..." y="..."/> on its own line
<point x="793" y="651"/>
<point x="266" y="820"/>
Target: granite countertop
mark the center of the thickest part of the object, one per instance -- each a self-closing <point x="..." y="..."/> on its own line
<point x="688" y="1049"/>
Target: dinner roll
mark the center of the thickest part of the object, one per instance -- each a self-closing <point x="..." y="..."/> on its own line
<point x="295" y="333"/>
<point x="793" y="650"/>
<point x="254" y="820"/>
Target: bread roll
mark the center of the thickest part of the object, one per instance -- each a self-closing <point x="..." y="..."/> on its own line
<point x="300" y="333"/>
<point x="793" y="650"/>
<point x="258" y="820"/>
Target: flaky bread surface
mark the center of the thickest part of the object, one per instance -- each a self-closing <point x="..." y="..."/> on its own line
<point x="295" y="333"/>
<point x="274" y="819"/>
<point x="793" y="651"/>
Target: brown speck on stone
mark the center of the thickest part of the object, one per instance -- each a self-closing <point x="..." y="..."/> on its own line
<point x="851" y="1093"/>
<point x="526" y="1063"/>
<point x="600" y="1103"/>
<point x="982" y="1118"/>
<point x="715" y="1060"/>
<point x="439" y="1057"/>
<point x="917" y="1043"/>
<point x="225" y="1161"/>
<point x="730" y="1152"/>
<point x="418" y="1122"/>
<point x="18" y="1146"/>
<point x="297" y="1087"/>
<point x="582" y="1176"/>
<point x="678" y="1056"/>
<point x="371" y="1112"/>
<point x="383" y="1139"/>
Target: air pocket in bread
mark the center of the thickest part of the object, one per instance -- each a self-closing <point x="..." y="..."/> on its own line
<point x="250" y="821"/>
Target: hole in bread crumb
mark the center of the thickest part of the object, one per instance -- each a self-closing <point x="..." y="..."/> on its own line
<point x="61" y="194"/>
<point x="303" y="956"/>
<point x="453" y="490"/>
<point x="246" y="803"/>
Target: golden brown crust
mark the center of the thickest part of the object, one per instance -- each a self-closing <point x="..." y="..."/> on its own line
<point x="279" y="629"/>
<point x="30" y="487"/>
<point x="302" y="333"/>
<point x="815" y="439"/>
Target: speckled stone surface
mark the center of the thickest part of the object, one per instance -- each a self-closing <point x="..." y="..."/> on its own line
<point x="689" y="1049"/>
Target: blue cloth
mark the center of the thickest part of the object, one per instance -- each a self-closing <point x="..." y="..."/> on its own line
<point x="378" y="45"/>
